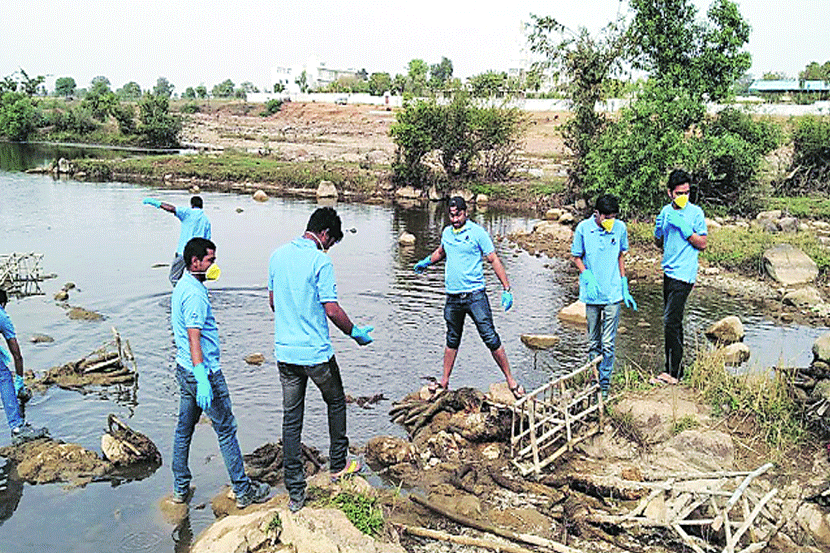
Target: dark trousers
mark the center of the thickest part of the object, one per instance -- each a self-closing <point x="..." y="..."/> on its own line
<point x="675" y="293"/>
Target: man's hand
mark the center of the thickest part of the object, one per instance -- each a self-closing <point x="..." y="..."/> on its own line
<point x="151" y="201"/>
<point x="675" y="219"/>
<point x="591" y="284"/>
<point x="507" y="300"/>
<point x="627" y="299"/>
<point x="204" y="393"/>
<point x="361" y="334"/>
<point x="421" y="266"/>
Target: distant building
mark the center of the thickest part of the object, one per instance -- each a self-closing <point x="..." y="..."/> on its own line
<point x="819" y="89"/>
<point x="317" y="75"/>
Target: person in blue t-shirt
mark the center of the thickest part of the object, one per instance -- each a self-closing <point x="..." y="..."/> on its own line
<point x="464" y="244"/>
<point x="202" y="387"/>
<point x="680" y="229"/>
<point x="302" y="294"/>
<point x="194" y="224"/>
<point x="13" y="387"/>
<point x="597" y="249"/>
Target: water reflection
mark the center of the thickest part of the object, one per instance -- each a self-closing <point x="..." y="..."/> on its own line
<point x="102" y="238"/>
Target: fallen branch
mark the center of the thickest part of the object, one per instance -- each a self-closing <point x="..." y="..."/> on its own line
<point x="485" y="527"/>
<point x="464" y="540"/>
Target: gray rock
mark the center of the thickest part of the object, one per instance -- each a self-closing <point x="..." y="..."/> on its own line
<point x="260" y="196"/>
<point x="821" y="348"/>
<point x="406" y="239"/>
<point x="788" y="224"/>
<point x="773" y="214"/>
<point x="482" y="199"/>
<point x="326" y="189"/>
<point x="408" y="192"/>
<point x="789" y="265"/>
<point x="574" y="314"/>
<point x="41" y="339"/>
<point x="553" y="214"/>
<point x="726" y="331"/>
<point x="566" y="218"/>
<point x="539" y="341"/>
<point x="803" y="298"/>
<point x="735" y="354"/>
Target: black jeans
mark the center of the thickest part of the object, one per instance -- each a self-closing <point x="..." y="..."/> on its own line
<point x="675" y="293"/>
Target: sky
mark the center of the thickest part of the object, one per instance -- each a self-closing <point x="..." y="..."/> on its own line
<point x="193" y="42"/>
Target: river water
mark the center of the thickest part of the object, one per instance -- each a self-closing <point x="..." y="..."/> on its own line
<point x="101" y="237"/>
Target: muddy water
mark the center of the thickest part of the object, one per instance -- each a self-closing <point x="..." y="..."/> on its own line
<point x="103" y="239"/>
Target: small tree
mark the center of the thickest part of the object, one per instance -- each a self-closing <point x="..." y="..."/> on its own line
<point x="201" y="91"/>
<point x="163" y="87"/>
<point x="130" y="91"/>
<point x="17" y="116"/>
<point x="189" y="93"/>
<point x="379" y="83"/>
<point x="160" y="129"/>
<point x="65" y="86"/>
<point x="440" y="74"/>
<point x="223" y="89"/>
<point x="302" y="82"/>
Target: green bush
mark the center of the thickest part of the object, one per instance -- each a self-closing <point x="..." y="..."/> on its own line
<point x="160" y="129"/>
<point x="77" y="120"/>
<point x="190" y="107"/>
<point x="125" y="116"/>
<point x="18" y="116"/>
<point x="811" y="156"/>
<point x="271" y="107"/>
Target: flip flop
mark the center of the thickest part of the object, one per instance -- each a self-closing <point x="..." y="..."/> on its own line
<point x="518" y="391"/>
<point x="667" y="378"/>
<point x="435" y="388"/>
<point x="352" y="467"/>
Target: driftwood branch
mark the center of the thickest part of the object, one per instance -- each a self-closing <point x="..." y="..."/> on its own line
<point x="485" y="527"/>
<point x="464" y="540"/>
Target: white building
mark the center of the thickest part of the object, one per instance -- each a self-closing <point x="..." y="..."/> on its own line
<point x="317" y="75"/>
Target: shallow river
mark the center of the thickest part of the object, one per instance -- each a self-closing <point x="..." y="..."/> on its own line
<point x="103" y="239"/>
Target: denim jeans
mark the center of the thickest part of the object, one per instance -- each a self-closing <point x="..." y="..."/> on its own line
<point x="675" y="293"/>
<point x="9" y="397"/>
<point x="294" y="379"/>
<point x="603" y="320"/>
<point x="477" y="305"/>
<point x="176" y="269"/>
<point x="223" y="422"/>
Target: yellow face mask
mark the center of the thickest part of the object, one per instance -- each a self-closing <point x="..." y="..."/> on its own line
<point x="213" y="272"/>
<point x="608" y="224"/>
<point x="681" y="200"/>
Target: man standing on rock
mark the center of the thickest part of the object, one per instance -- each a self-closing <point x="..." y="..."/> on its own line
<point x="202" y="387"/>
<point x="680" y="229"/>
<point x="194" y="224"/>
<point x="463" y="244"/>
<point x="597" y="249"/>
<point x="12" y="388"/>
<point x="302" y="293"/>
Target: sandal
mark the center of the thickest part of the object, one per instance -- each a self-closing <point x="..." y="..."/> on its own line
<point x="518" y="391"/>
<point x="436" y="388"/>
<point x="352" y="467"/>
<point x="667" y="378"/>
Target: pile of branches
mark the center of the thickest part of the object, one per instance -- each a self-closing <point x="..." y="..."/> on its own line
<point x="265" y="462"/>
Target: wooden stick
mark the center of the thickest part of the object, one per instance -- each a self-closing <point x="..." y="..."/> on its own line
<point x="686" y="538"/>
<point x="485" y="527"/>
<point x="730" y="545"/>
<point x="464" y="540"/>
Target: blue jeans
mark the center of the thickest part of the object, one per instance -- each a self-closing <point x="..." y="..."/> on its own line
<point x="675" y="293"/>
<point x="9" y="397"/>
<point x="294" y="379"/>
<point x="176" y="269"/>
<point x="223" y="422"/>
<point x="477" y="305"/>
<point x="602" y="332"/>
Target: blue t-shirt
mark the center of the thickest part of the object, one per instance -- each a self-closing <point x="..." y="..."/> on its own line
<point x="301" y="278"/>
<point x="464" y="249"/>
<point x="190" y="308"/>
<point x="600" y="252"/>
<point x="679" y="256"/>
<point x="194" y="223"/>
<point x="7" y="329"/>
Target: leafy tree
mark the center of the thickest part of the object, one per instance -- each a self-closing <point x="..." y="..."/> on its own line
<point x="30" y="85"/>
<point x="18" y="115"/>
<point x="416" y="78"/>
<point x="189" y="93"/>
<point x="65" y="86"/>
<point x="159" y="128"/>
<point x="774" y="76"/>
<point x="302" y="81"/>
<point x="398" y="85"/>
<point x="163" y="87"/>
<point x="816" y="72"/>
<point x="130" y="91"/>
<point x="249" y="87"/>
<point x="223" y="89"/>
<point x="363" y="75"/>
<point x="440" y="74"/>
<point x="125" y="116"/>
<point x="379" y="83"/>
<point x="811" y="156"/>
<point x="201" y="91"/>
<point x="99" y="85"/>
<point x="100" y="100"/>
<point x="279" y="87"/>
<point x="491" y="84"/>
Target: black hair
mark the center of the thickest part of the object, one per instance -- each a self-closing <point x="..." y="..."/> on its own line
<point x="607" y="204"/>
<point x="678" y="177"/>
<point x="4" y="298"/>
<point x="196" y="201"/>
<point x="197" y="247"/>
<point x="326" y="218"/>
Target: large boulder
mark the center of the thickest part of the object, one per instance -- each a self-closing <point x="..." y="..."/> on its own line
<point x="406" y="239"/>
<point x="814" y="520"/>
<point x="551" y="229"/>
<point x="326" y="189"/>
<point x="821" y="348"/>
<point x="789" y="265"/>
<point x="574" y="314"/>
<point x="539" y="341"/>
<point x="726" y="331"/>
<point x="735" y="354"/>
<point x="260" y="196"/>
<point x="803" y="298"/>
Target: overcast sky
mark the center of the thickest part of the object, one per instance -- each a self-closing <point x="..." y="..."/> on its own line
<point x="192" y="42"/>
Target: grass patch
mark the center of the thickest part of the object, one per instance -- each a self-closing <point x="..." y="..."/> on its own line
<point x="803" y="207"/>
<point x="765" y="399"/>
<point x="361" y="510"/>
<point x="686" y="422"/>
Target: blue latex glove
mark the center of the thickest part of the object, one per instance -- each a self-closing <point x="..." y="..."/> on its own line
<point x="627" y="299"/>
<point x="361" y="334"/>
<point x="204" y="393"/>
<point x="676" y="220"/>
<point x="19" y="384"/>
<point x="421" y="266"/>
<point x="507" y="300"/>
<point x="591" y="284"/>
<point x="151" y="201"/>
